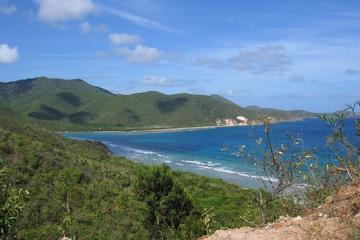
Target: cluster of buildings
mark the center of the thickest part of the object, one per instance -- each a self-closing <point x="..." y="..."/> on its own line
<point x="238" y="121"/>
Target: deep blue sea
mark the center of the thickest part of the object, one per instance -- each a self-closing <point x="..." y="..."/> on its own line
<point x="211" y="152"/>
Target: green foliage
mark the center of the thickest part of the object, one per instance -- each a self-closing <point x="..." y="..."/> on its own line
<point x="168" y="205"/>
<point x="280" y="114"/>
<point x="11" y="204"/>
<point x="346" y="165"/>
<point x="52" y="114"/>
<point x="171" y="105"/>
<point x="232" y="205"/>
<point x="316" y="196"/>
<point x="207" y="218"/>
<point x="70" y="98"/>
<point x="73" y="192"/>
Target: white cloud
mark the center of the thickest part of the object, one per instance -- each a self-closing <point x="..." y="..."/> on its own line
<point x="85" y="27"/>
<point x="8" y="54"/>
<point x="156" y="80"/>
<point x="123" y="38"/>
<point x="6" y="9"/>
<point x="161" y="81"/>
<point x="236" y="93"/>
<point x="138" y="20"/>
<point x="140" y="54"/>
<point x="62" y="10"/>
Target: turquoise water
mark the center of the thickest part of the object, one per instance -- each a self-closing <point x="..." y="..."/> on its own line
<point x="210" y="152"/>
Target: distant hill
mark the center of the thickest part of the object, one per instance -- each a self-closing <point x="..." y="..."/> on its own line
<point x="76" y="105"/>
<point x="281" y="114"/>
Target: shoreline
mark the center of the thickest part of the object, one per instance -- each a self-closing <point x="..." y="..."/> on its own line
<point x="154" y="130"/>
<point x="175" y="129"/>
<point x="180" y="129"/>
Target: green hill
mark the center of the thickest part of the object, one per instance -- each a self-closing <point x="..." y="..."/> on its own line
<point x="76" y="105"/>
<point x="281" y="114"/>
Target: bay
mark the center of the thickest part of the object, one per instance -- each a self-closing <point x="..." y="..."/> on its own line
<point x="212" y="152"/>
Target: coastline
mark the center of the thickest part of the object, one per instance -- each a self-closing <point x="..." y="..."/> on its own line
<point x="154" y="129"/>
<point x="180" y="129"/>
<point x="211" y="165"/>
<point x="175" y="129"/>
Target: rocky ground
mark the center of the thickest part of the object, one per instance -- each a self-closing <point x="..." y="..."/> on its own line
<point x="337" y="218"/>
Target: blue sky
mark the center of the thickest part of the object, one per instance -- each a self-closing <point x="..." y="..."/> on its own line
<point x="285" y="54"/>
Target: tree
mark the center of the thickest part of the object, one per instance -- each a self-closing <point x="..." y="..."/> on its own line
<point x="346" y="151"/>
<point x="168" y="205"/>
<point x="283" y="169"/>
<point x="290" y="167"/>
<point x="66" y="190"/>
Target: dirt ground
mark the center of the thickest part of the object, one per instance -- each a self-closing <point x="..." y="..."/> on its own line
<point x="337" y="218"/>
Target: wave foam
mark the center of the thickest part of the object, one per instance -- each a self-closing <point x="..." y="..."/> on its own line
<point x="143" y="152"/>
<point x="204" y="165"/>
<point x="226" y="170"/>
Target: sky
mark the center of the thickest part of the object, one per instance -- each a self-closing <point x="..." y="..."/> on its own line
<point x="286" y="54"/>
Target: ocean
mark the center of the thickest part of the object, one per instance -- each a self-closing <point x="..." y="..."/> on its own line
<point x="213" y="152"/>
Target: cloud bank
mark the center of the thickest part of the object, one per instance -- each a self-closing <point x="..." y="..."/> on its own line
<point x="264" y="59"/>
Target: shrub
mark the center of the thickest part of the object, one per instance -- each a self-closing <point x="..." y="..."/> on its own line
<point x="11" y="205"/>
<point x="168" y="205"/>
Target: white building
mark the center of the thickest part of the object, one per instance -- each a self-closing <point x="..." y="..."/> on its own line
<point x="242" y="120"/>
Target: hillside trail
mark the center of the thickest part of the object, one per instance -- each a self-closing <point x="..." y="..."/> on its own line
<point x="337" y="218"/>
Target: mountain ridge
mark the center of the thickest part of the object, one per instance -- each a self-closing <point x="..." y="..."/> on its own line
<point x="77" y="105"/>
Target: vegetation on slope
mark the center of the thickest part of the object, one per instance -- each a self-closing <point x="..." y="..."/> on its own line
<point x="281" y="114"/>
<point x="77" y="189"/>
<point x="75" y="105"/>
